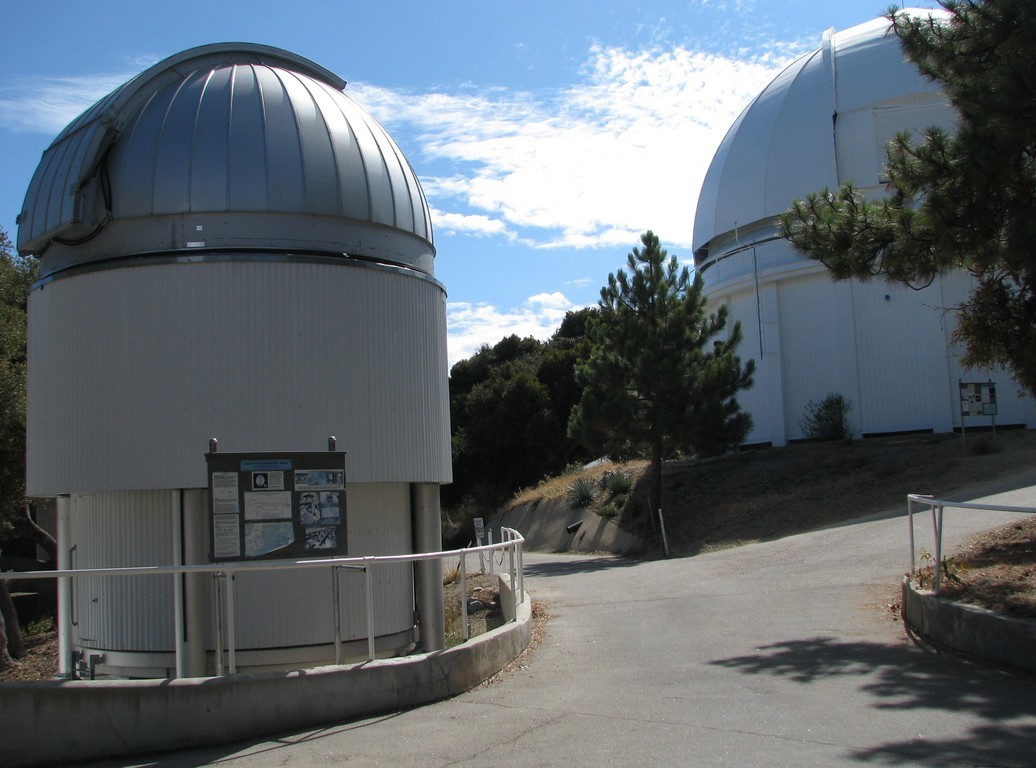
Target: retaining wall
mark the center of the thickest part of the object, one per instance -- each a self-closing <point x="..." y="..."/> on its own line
<point x="969" y="629"/>
<point x="51" y="722"/>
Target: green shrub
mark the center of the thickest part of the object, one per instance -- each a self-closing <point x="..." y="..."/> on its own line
<point x="828" y="419"/>
<point x="581" y="493"/>
<point x="618" y="482"/>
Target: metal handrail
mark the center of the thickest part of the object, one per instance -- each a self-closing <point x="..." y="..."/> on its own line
<point x="223" y="580"/>
<point x="937" y="506"/>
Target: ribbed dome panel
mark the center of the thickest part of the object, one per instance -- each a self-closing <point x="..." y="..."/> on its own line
<point x="226" y="132"/>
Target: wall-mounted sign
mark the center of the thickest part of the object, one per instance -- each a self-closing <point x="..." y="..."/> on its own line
<point x="269" y="506"/>
<point x="978" y="399"/>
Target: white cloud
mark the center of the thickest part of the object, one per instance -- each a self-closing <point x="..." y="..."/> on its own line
<point x="623" y="150"/>
<point x="469" y="326"/>
<point x="470" y="224"/>
<point x="48" y="104"/>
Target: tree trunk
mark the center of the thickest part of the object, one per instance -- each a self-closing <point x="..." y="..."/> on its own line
<point x="5" y="657"/>
<point x="41" y="536"/>
<point x="11" y="640"/>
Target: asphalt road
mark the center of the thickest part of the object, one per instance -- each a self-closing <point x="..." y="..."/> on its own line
<point x="781" y="653"/>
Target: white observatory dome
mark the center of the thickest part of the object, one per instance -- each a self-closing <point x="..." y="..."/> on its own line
<point x="889" y="350"/>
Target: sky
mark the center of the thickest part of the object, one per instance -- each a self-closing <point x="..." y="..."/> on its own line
<point x="547" y="135"/>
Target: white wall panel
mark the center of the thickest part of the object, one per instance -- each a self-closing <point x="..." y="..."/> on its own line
<point x="294" y="608"/>
<point x="282" y="609"/>
<point x="117" y="530"/>
<point x="132" y="370"/>
<point x="816" y="345"/>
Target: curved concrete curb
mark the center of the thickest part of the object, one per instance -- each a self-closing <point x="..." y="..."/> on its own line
<point x="52" y="722"/>
<point x="969" y="629"/>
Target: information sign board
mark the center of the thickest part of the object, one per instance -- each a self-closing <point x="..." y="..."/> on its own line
<point x="271" y="506"/>
<point x="978" y="399"/>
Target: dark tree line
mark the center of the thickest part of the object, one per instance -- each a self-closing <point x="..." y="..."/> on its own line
<point x="509" y="406"/>
<point x="645" y="374"/>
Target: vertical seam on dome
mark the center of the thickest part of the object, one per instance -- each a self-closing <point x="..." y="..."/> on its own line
<point x="363" y="163"/>
<point x="194" y="135"/>
<point x="306" y="83"/>
<point x="161" y="133"/>
<point x="279" y="73"/>
<point x="407" y="172"/>
<point x="266" y="133"/>
<point x="228" y="180"/>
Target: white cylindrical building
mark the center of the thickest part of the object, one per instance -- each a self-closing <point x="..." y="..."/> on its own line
<point x="888" y="349"/>
<point x="231" y="247"/>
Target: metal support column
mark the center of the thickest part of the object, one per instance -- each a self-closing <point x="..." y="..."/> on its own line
<point x="196" y="585"/>
<point x="64" y="530"/>
<point x="427" y="528"/>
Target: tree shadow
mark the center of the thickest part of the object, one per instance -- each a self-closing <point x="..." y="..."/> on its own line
<point x="902" y="678"/>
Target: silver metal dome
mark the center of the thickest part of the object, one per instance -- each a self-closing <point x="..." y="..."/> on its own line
<point x="226" y="146"/>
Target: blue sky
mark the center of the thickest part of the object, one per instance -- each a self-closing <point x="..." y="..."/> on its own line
<point x="547" y="135"/>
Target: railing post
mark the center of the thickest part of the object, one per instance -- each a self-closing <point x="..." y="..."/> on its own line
<point x="910" y="522"/>
<point x="521" y="568"/>
<point x="937" y="517"/>
<point x="489" y="535"/>
<point x="217" y="620"/>
<point x="336" y="611"/>
<point x="369" y="583"/>
<point x="464" y="594"/>
<point x="514" y="579"/>
<point x="231" y="635"/>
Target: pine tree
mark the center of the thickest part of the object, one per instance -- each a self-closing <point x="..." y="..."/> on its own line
<point x="656" y="380"/>
<point x="960" y="201"/>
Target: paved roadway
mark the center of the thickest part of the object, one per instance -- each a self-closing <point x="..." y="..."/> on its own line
<point x="775" y="654"/>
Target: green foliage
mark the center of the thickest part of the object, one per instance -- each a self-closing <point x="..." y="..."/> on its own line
<point x="656" y="382"/>
<point x="951" y="571"/>
<point x="618" y="483"/>
<point x="961" y="201"/>
<point x="582" y="492"/>
<point x="16" y="276"/>
<point x="40" y="626"/>
<point x="510" y="405"/>
<point x="828" y="419"/>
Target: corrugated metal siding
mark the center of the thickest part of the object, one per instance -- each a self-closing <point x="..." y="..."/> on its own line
<point x="292" y="608"/>
<point x="131" y="372"/>
<point x="816" y="344"/>
<point x="111" y="530"/>
<point x="272" y="610"/>
<point x="899" y="346"/>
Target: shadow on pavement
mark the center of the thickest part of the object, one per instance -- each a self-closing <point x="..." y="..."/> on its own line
<point x="239" y="751"/>
<point x="904" y="678"/>
<point x="570" y="565"/>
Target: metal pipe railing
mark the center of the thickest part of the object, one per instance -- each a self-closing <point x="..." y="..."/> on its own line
<point x="223" y="586"/>
<point x="937" y="506"/>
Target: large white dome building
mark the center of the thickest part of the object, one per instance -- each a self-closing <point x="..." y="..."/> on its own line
<point x="231" y="247"/>
<point x="885" y="347"/>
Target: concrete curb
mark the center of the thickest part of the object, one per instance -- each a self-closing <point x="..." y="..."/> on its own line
<point x="52" y="722"/>
<point x="969" y="629"/>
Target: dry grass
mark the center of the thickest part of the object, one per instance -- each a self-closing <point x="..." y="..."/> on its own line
<point x="557" y="487"/>
<point x="996" y="571"/>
